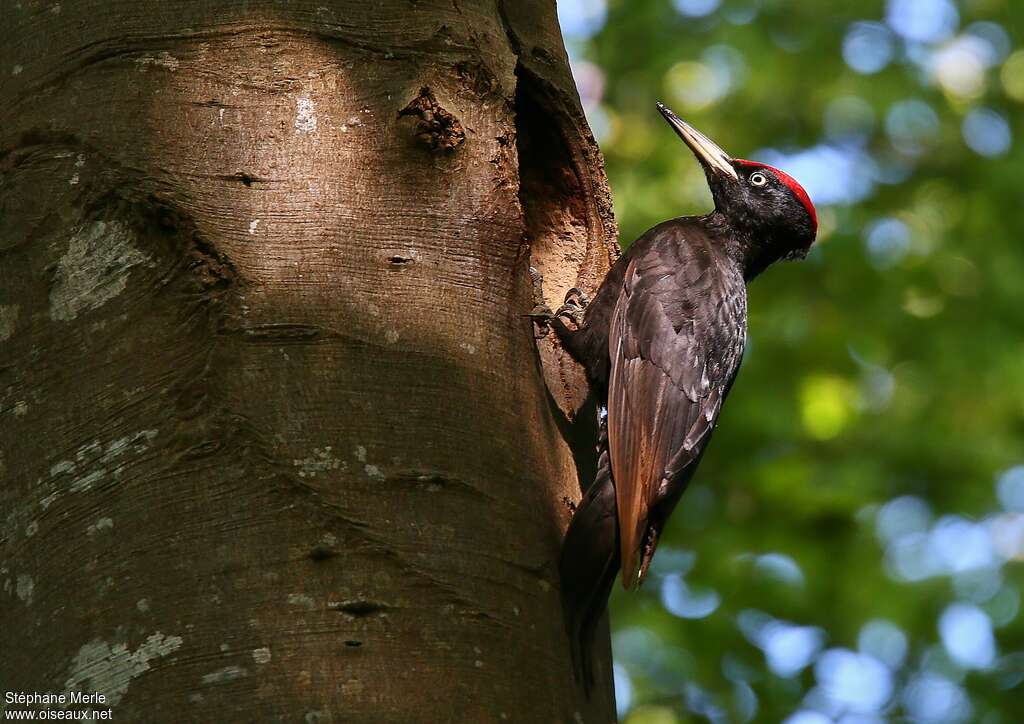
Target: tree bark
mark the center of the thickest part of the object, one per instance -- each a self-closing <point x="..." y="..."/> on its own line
<point x="275" y="438"/>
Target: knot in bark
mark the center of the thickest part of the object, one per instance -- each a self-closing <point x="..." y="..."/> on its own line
<point x="436" y="127"/>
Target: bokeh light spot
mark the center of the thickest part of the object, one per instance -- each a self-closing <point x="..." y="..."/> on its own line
<point x="960" y="66"/>
<point x="1003" y="607"/>
<point x="827" y="405"/>
<point x="1011" y="671"/>
<point x="1010" y="489"/>
<point x="887" y="241"/>
<point x="590" y="82"/>
<point x="902" y="516"/>
<point x="696" y="8"/>
<point x="1007" y="533"/>
<point x="923" y="21"/>
<point x="996" y="39"/>
<point x="868" y="47"/>
<point x="979" y="584"/>
<point x="912" y="126"/>
<point x="685" y="601"/>
<point x="727" y="64"/>
<point x="745" y="701"/>
<point x="788" y="649"/>
<point x="694" y="86"/>
<point x="961" y="544"/>
<point x="967" y="636"/>
<point x="779" y="567"/>
<point x="805" y="716"/>
<point x="1012" y="76"/>
<point x="885" y="641"/>
<point x="857" y="682"/>
<point x="623" y="689"/>
<point x="986" y="132"/>
<point x="933" y="699"/>
<point x="582" y="19"/>
<point x="849" y="118"/>
<point x="740" y="12"/>
<point x="922" y="304"/>
<point x="910" y="558"/>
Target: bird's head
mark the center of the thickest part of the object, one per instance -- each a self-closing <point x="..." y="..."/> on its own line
<point x="759" y="200"/>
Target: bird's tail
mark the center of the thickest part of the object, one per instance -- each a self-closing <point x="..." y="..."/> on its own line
<point x="589" y="564"/>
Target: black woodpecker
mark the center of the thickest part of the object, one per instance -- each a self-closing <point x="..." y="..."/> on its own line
<point x="661" y="343"/>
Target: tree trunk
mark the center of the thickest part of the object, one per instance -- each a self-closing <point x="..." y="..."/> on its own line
<point x="275" y="438"/>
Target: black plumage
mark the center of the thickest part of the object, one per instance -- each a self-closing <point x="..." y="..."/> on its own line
<point x="661" y="344"/>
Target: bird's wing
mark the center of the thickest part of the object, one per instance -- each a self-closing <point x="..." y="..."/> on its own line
<point x="675" y="343"/>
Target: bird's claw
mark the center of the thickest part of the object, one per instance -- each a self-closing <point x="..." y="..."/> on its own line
<point x="571" y="312"/>
<point x="576" y="296"/>
<point x="574" y="306"/>
<point x="541" y="314"/>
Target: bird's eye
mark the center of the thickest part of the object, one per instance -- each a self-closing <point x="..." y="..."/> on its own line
<point x="758" y="179"/>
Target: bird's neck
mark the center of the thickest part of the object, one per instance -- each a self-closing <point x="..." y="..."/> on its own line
<point x="747" y="246"/>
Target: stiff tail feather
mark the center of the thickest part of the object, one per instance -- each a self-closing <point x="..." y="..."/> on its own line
<point x="588" y="565"/>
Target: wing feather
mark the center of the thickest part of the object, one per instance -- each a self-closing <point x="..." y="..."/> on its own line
<point x="674" y="346"/>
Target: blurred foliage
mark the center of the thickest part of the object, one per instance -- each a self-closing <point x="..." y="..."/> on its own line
<point x="851" y="549"/>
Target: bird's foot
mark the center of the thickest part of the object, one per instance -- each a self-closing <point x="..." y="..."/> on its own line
<point x="571" y="311"/>
<point x="541" y="316"/>
<point x="578" y="297"/>
<point x="573" y="307"/>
